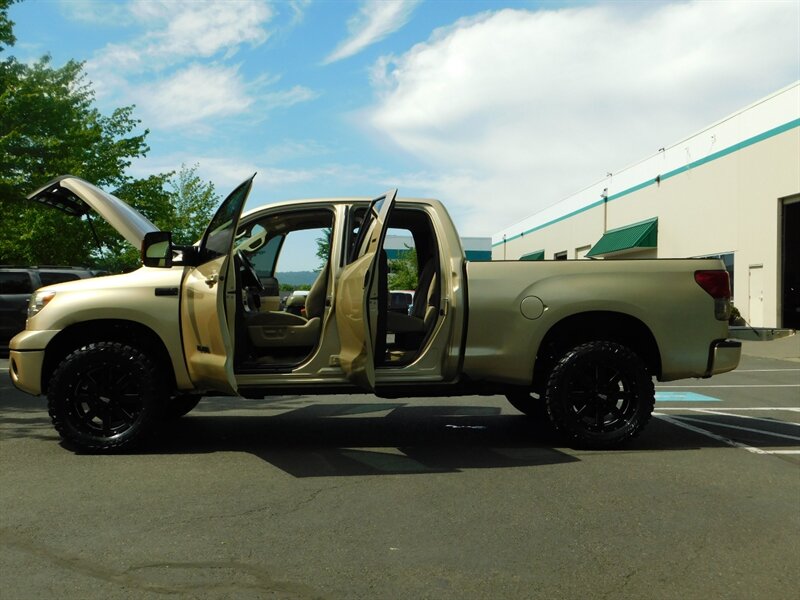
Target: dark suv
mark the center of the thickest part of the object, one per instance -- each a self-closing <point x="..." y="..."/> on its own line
<point x="16" y="286"/>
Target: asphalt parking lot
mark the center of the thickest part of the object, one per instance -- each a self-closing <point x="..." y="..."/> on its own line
<point x="360" y="497"/>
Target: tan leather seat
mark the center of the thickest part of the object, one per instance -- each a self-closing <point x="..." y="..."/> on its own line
<point x="285" y="330"/>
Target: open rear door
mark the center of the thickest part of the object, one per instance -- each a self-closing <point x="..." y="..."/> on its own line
<point x="357" y="295"/>
<point x="205" y="328"/>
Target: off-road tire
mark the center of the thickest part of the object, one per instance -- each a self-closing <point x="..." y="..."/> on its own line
<point x="599" y="395"/>
<point x="105" y="397"/>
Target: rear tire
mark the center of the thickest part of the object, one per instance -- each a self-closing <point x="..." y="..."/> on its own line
<point x="600" y="395"/>
<point x="105" y="396"/>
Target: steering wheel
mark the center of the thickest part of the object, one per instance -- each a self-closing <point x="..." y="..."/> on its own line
<point x="250" y="276"/>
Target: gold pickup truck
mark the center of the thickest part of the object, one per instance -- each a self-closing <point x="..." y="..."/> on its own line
<point x="575" y="342"/>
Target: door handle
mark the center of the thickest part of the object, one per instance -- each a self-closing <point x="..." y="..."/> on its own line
<point x="212" y="280"/>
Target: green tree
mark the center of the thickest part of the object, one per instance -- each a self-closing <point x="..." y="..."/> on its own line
<point x="193" y="202"/>
<point x="181" y="203"/>
<point x="6" y="25"/>
<point x="48" y="127"/>
<point x="150" y="197"/>
<point x="324" y="247"/>
<point x="403" y="270"/>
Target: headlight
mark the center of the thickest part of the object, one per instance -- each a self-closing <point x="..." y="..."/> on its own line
<point x="38" y="301"/>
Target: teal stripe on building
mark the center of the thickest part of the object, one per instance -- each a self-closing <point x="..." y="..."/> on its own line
<point x="794" y="124"/>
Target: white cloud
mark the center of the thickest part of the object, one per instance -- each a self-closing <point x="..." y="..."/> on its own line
<point x="275" y="183"/>
<point x="375" y="20"/>
<point x="227" y="172"/>
<point x="289" y="149"/>
<point x="193" y="94"/>
<point x="99" y="13"/>
<point x="298" y="10"/>
<point x="177" y="31"/>
<point x="207" y="93"/>
<point x="517" y="109"/>
<point x="286" y="98"/>
<point x="203" y="29"/>
<point x="185" y="45"/>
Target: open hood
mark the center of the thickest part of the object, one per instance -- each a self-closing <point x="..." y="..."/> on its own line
<point x="77" y="197"/>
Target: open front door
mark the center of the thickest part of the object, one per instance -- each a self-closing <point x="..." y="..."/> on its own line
<point x="357" y="295"/>
<point x="205" y="327"/>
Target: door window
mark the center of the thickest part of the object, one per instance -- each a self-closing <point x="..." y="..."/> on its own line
<point x="265" y="257"/>
<point x="293" y="245"/>
<point x="52" y="277"/>
<point x="219" y="235"/>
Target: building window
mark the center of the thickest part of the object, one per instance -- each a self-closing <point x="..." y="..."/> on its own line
<point x="581" y="252"/>
<point x="560" y="255"/>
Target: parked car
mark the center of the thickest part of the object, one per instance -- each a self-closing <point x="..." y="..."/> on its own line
<point x="296" y="302"/>
<point x="401" y="301"/>
<point x="16" y="286"/>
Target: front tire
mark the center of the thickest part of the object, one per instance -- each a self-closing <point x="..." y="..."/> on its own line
<point x="530" y="404"/>
<point x="105" y="396"/>
<point x="600" y="395"/>
<point x="180" y="405"/>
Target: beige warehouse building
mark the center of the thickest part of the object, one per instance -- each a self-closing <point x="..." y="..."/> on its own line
<point x="732" y="190"/>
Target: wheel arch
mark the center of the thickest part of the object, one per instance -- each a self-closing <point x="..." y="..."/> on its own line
<point x="107" y="330"/>
<point x="596" y="325"/>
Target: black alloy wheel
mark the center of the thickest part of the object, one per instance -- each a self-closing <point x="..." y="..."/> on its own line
<point x="600" y="394"/>
<point x="104" y="396"/>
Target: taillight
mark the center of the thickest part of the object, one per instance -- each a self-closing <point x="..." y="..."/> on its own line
<point x="717" y="285"/>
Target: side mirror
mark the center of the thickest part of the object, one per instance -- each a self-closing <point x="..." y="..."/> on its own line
<point x="157" y="249"/>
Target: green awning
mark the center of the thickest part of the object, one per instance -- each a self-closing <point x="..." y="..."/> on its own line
<point x="538" y="255"/>
<point x="639" y="235"/>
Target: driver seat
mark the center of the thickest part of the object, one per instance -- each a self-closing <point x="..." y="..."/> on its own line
<point x="286" y="330"/>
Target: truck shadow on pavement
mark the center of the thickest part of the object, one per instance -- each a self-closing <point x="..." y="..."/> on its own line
<point x="356" y="439"/>
<point x="321" y="439"/>
<point x="308" y="439"/>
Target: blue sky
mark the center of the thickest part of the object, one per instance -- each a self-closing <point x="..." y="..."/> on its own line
<point x="497" y="108"/>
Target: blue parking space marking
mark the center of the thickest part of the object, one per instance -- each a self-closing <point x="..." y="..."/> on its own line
<point x="684" y="397"/>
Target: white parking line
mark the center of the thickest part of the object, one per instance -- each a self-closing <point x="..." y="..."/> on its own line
<point x="681" y="421"/>
<point x="708" y="434"/>
<point x="708" y="411"/>
<point x="740" y="428"/>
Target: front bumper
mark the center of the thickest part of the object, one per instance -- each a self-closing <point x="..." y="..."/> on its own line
<point x="25" y="369"/>
<point x="26" y="358"/>
<point x="723" y="356"/>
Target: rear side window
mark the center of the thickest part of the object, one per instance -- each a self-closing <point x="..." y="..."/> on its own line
<point x="51" y="277"/>
<point x="15" y="283"/>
